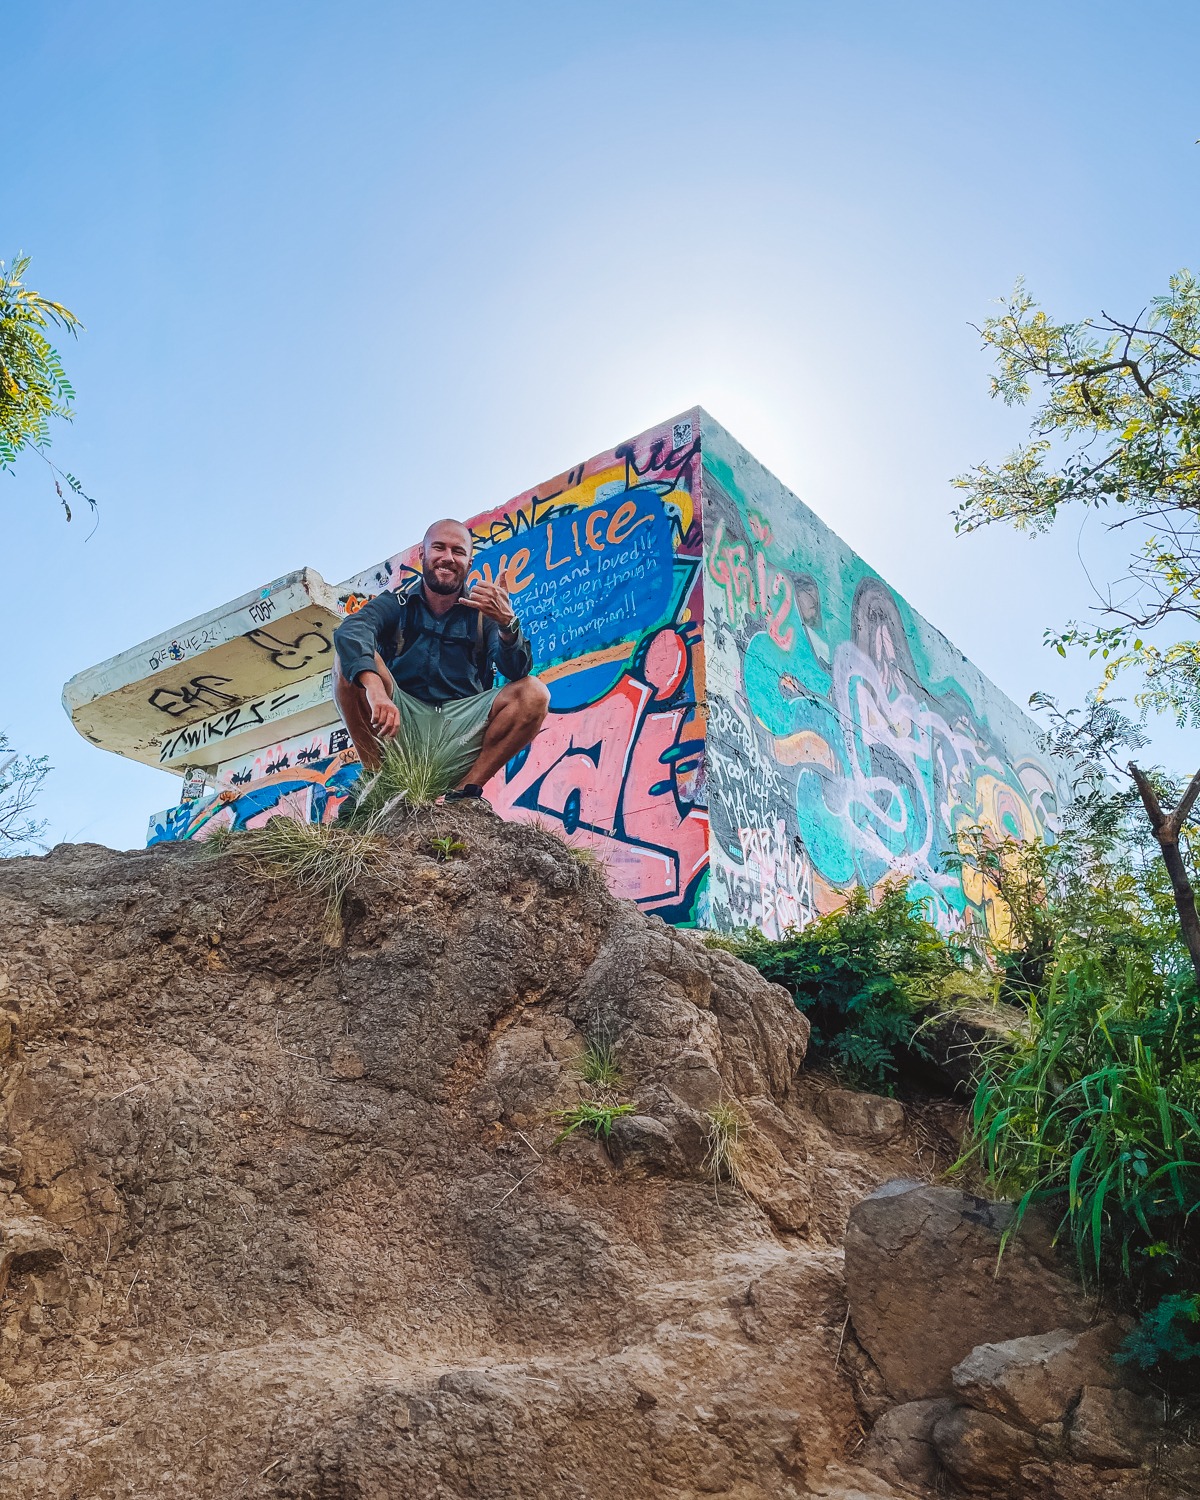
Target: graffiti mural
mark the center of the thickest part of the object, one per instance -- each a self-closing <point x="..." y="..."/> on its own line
<point x="623" y="776"/>
<point x="604" y="564"/>
<point x="745" y="720"/>
<point x="310" y="789"/>
<point x="849" y="742"/>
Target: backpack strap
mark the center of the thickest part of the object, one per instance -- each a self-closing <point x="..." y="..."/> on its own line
<point x="403" y="629"/>
<point x="483" y="662"/>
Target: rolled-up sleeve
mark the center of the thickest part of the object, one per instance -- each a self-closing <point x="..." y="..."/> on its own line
<point x="373" y="628"/>
<point x="513" y="658"/>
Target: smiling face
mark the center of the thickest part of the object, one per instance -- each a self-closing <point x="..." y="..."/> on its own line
<point x="446" y="557"/>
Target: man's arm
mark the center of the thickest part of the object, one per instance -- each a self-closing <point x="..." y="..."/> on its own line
<point x="509" y="649"/>
<point x="373" y="628"/>
<point x="512" y="654"/>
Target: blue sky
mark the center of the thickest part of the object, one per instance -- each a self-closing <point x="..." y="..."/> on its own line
<point x="347" y="266"/>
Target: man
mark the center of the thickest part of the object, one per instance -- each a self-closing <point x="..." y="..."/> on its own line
<point x="422" y="666"/>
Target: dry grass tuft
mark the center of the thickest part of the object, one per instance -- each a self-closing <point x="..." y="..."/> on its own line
<point x="726" y="1145"/>
<point x="325" y="859"/>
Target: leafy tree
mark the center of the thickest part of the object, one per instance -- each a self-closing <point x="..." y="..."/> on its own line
<point x="33" y="384"/>
<point x="1093" y="738"/>
<point x="21" y="778"/>
<point x="1117" y="431"/>
<point x="1101" y="890"/>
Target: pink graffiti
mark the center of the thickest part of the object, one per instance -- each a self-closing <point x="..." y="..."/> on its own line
<point x="620" y="775"/>
<point x="730" y="567"/>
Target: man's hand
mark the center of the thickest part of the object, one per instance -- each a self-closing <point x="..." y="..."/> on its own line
<point x="491" y="599"/>
<point x="385" y="716"/>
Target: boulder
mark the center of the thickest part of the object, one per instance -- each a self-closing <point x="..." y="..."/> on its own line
<point x="900" y="1448"/>
<point x="765" y="1176"/>
<point x="862" y="1117"/>
<point x="926" y="1283"/>
<point x="1114" y="1428"/>
<point x="985" y="1453"/>
<point x="1034" y="1380"/>
<point x="641" y="1144"/>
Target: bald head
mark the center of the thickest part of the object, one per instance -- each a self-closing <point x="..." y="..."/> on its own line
<point x="446" y="557"/>
<point x="444" y="528"/>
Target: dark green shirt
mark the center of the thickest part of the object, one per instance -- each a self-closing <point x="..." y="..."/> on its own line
<point x="443" y="658"/>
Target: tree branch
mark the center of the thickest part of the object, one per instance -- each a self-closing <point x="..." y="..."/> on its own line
<point x="1180" y="816"/>
<point x="1149" y="798"/>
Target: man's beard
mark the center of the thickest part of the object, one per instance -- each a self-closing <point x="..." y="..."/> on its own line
<point x="439" y="585"/>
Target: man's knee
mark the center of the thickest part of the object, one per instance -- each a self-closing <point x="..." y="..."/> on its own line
<point x="534" y="699"/>
<point x="527" y="700"/>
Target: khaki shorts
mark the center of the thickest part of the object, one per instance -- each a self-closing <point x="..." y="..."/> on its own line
<point x="459" y="725"/>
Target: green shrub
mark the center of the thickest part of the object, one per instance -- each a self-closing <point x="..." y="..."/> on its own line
<point x="1167" y="1336"/>
<point x="1093" y="1114"/>
<point x="862" y="976"/>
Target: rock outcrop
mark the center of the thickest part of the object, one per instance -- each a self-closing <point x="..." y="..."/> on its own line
<point x="282" y="1219"/>
<point x="926" y="1283"/>
<point x="985" y="1404"/>
<point x="286" y="1221"/>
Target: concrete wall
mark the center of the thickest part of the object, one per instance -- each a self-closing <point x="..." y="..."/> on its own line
<point x="839" y="739"/>
<point x="848" y="740"/>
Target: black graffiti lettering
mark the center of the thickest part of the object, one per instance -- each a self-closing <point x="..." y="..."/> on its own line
<point x="203" y="691"/>
<point x="511" y="525"/>
<point x="186" y="739"/>
<point x="244" y="716"/>
<point x="661" y="459"/>
<point x="262" y="611"/>
<point x="291" y="656"/>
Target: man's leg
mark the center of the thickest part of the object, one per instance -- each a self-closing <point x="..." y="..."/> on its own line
<point x="351" y="703"/>
<point x="516" y="716"/>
